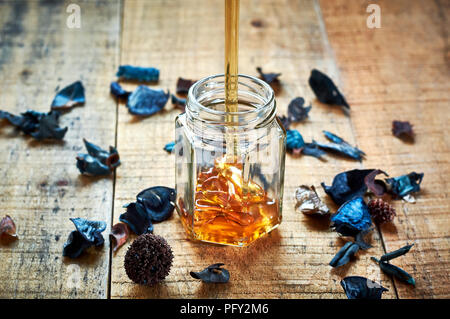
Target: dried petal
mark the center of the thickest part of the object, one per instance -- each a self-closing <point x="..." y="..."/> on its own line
<point x="137" y="218"/>
<point x="352" y="217"/>
<point x="344" y="254"/>
<point x="284" y="122"/>
<point x="402" y="129"/>
<point x="378" y="188"/>
<point x="212" y="274"/>
<point x="395" y="271"/>
<point x="7" y="227"/>
<point x="183" y="85"/>
<point x="357" y="287"/>
<point x="48" y="127"/>
<point x="340" y="146"/>
<point x="90" y="230"/>
<point x="117" y="90"/>
<point x="396" y="253"/>
<point x="75" y="245"/>
<point x="405" y="184"/>
<point x="27" y="122"/>
<point x="98" y="162"/>
<point x="141" y="74"/>
<point x="119" y="235"/>
<point x="360" y="238"/>
<point x="145" y="101"/>
<point x="294" y="140"/>
<point x="178" y="102"/>
<point x="297" y="112"/>
<point x="268" y="77"/>
<point x="169" y="147"/>
<point x="347" y="185"/>
<point x="70" y="96"/>
<point x="312" y="149"/>
<point x="158" y="201"/>
<point x="325" y="90"/>
<point x="308" y="201"/>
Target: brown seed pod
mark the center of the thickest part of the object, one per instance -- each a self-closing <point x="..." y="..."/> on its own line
<point x="381" y="211"/>
<point x="148" y="259"/>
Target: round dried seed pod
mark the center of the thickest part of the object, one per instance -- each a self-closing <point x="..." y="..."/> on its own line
<point x="381" y="211"/>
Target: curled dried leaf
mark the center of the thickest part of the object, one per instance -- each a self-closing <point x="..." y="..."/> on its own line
<point x="119" y="235"/>
<point x="297" y="111"/>
<point x="308" y="202"/>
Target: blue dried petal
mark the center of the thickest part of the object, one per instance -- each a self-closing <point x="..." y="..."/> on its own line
<point x="89" y="165"/>
<point x="158" y="202"/>
<point x="340" y="146"/>
<point x="98" y="161"/>
<point x="145" y="101"/>
<point x="70" y="96"/>
<point x="48" y="127"/>
<point x="294" y="140"/>
<point x="137" y="218"/>
<point x="405" y="184"/>
<point x="297" y="112"/>
<point x="178" y="102"/>
<point x="352" y="217"/>
<point x="141" y="74"/>
<point x="212" y="274"/>
<point x="117" y="90"/>
<point x="357" y="287"/>
<point x="311" y="149"/>
<point x="90" y="230"/>
<point x="75" y="245"/>
<point x="169" y="147"/>
<point x="325" y="89"/>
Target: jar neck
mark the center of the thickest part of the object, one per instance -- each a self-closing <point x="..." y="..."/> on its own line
<point x="206" y="103"/>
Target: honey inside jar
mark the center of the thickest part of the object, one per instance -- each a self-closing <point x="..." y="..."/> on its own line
<point x="228" y="209"/>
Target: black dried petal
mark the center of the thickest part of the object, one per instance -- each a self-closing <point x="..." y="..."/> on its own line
<point x="340" y="146"/>
<point x="344" y="254"/>
<point x="325" y="90"/>
<point x="357" y="287"/>
<point x="183" y="85"/>
<point x="69" y="96"/>
<point x="352" y="217"/>
<point x="178" y="102"/>
<point x="396" y="253"/>
<point x="75" y="245"/>
<point x="145" y="101"/>
<point x="117" y="90"/>
<point x="90" y="230"/>
<point x="158" y="201"/>
<point x="297" y="112"/>
<point x="48" y="127"/>
<point x="347" y="185"/>
<point x="269" y="78"/>
<point x="142" y="74"/>
<point x="405" y="184"/>
<point x="137" y="218"/>
<point x="148" y="260"/>
<point x="402" y="129"/>
<point x="212" y="274"/>
<point x="395" y="271"/>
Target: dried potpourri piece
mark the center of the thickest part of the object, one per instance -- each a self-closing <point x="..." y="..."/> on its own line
<point x="347" y="185"/>
<point x="183" y="85"/>
<point x="405" y="184"/>
<point x="396" y="253"/>
<point x="356" y="287"/>
<point x="381" y="211"/>
<point x="402" y="130"/>
<point x="325" y="90"/>
<point x="284" y="121"/>
<point x="148" y="260"/>
<point x="145" y="101"/>
<point x="312" y="149"/>
<point x="269" y="78"/>
<point x="27" y="122"/>
<point x="212" y="274"/>
<point x="297" y="111"/>
<point x="88" y="234"/>
<point x="340" y="146"/>
<point x="137" y="219"/>
<point x="117" y="90"/>
<point x="159" y="202"/>
<point x="138" y="73"/>
<point x="98" y="161"/>
<point x="308" y="202"/>
<point x="344" y="254"/>
<point x="352" y="217"/>
<point x="119" y="235"/>
<point x="71" y="95"/>
<point x="395" y="271"/>
<point x="178" y="102"/>
<point x="377" y="187"/>
<point x="169" y="147"/>
<point x="294" y="140"/>
<point x="7" y="227"/>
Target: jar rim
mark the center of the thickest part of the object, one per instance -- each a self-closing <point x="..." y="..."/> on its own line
<point x="192" y="96"/>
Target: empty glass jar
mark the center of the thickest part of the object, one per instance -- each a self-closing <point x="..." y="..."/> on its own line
<point x="229" y="166"/>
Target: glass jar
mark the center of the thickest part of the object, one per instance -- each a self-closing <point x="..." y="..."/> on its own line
<point x="229" y="165"/>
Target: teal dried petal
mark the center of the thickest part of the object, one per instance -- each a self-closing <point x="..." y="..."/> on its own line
<point x="169" y="147"/>
<point x="69" y="96"/>
<point x="356" y="287"/>
<point x="340" y="146"/>
<point x="90" y="230"/>
<point x="294" y="140"/>
<point x="344" y="254"/>
<point x="145" y="101"/>
<point x="405" y="184"/>
<point x="352" y="217"/>
<point x="117" y="90"/>
<point x="142" y="74"/>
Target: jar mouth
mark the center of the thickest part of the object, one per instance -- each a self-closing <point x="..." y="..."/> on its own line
<point x="258" y="95"/>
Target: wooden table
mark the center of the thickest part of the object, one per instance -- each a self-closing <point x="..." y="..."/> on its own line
<point x="397" y="72"/>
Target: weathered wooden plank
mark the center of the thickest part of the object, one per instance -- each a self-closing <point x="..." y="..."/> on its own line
<point x="40" y="185"/>
<point x="401" y="72"/>
<point x="185" y="38"/>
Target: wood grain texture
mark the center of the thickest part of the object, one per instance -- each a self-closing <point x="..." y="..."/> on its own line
<point x="185" y="38"/>
<point x="41" y="187"/>
<point x="402" y="72"/>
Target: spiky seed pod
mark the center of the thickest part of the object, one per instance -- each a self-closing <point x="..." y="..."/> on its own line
<point x="381" y="211"/>
<point x="148" y="260"/>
